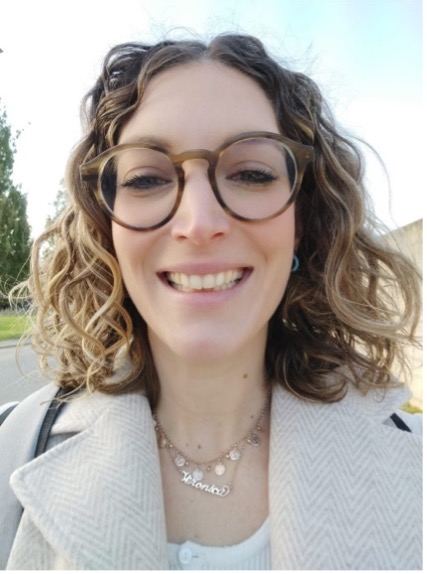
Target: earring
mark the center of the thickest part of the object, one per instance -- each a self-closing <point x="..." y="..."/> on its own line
<point x="295" y="263"/>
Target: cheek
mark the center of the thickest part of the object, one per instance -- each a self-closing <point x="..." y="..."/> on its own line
<point x="279" y="250"/>
<point x="278" y="238"/>
<point x="120" y="241"/>
<point x="131" y="250"/>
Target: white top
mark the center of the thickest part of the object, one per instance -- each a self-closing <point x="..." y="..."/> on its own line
<point x="251" y="554"/>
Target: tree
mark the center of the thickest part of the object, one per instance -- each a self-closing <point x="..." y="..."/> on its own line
<point x="15" y="241"/>
<point x="59" y="204"/>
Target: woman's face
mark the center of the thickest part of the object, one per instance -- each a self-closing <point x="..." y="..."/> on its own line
<point x="169" y="272"/>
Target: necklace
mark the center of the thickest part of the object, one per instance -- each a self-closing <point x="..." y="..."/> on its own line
<point x="192" y="472"/>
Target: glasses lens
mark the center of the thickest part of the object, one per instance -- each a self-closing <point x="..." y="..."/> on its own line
<point x="139" y="186"/>
<point x="256" y="177"/>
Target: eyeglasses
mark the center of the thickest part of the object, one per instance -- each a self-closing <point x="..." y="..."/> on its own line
<point x="254" y="176"/>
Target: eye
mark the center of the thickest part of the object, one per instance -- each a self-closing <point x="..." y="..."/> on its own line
<point x="253" y="177"/>
<point x="145" y="182"/>
<point x="149" y="186"/>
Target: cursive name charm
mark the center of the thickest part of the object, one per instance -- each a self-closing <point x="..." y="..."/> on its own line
<point x="188" y="479"/>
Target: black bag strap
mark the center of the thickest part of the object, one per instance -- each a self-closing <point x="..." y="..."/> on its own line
<point x="400" y="423"/>
<point x="48" y="421"/>
<point x="6" y="413"/>
<point x="47" y="424"/>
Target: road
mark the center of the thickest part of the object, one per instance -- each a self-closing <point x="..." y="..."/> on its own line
<point x="16" y="382"/>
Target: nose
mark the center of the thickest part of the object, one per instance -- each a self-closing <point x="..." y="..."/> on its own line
<point x="199" y="218"/>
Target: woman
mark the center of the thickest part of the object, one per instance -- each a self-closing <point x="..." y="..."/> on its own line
<point x="217" y="298"/>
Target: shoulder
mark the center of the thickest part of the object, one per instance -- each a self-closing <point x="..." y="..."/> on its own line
<point x="413" y="421"/>
<point x="385" y="406"/>
<point x="86" y="409"/>
<point x="6" y="409"/>
<point x="373" y="407"/>
<point x="78" y="412"/>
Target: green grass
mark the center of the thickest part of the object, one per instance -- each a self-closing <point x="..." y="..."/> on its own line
<point x="12" y="326"/>
<point x="410" y="408"/>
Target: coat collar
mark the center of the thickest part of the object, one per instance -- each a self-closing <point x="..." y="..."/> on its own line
<point x="333" y="471"/>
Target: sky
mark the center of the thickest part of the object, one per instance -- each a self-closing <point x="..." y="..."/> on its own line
<point x="366" y="56"/>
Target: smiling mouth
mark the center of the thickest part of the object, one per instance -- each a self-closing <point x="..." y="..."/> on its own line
<point x="210" y="282"/>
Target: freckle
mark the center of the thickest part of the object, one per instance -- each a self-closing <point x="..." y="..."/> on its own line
<point x="245" y="375"/>
<point x="199" y="446"/>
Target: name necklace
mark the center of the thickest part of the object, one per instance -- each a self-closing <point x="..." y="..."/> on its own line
<point x="193" y="472"/>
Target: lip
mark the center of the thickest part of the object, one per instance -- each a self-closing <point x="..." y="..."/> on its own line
<point x="211" y="281"/>
<point x="202" y="270"/>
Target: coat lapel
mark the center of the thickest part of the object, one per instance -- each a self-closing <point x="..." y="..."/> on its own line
<point x="97" y="498"/>
<point x="345" y="490"/>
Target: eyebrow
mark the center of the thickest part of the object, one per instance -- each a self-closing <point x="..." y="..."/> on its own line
<point x="160" y="143"/>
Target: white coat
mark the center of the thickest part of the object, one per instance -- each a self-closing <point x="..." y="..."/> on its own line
<point x="345" y="490"/>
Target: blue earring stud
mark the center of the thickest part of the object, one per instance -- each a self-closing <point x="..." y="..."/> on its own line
<point x="295" y="263"/>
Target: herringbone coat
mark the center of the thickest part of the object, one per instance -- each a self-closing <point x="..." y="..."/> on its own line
<point x="345" y="489"/>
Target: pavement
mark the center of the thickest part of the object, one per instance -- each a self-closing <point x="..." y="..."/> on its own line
<point x="10" y="343"/>
<point x="19" y="373"/>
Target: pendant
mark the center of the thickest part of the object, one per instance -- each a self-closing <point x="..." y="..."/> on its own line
<point x="234" y="453"/>
<point x="254" y="439"/>
<point x="179" y="460"/>
<point x="189" y="480"/>
<point x="197" y="474"/>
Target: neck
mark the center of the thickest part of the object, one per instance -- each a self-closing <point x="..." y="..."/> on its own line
<point x="207" y="406"/>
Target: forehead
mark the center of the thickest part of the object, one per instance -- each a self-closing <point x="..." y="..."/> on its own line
<point x="200" y="105"/>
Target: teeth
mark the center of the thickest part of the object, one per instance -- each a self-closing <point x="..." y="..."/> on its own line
<point x="212" y="281"/>
<point x="208" y="281"/>
<point x="196" y="282"/>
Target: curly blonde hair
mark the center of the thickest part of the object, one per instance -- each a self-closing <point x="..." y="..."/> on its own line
<point x="339" y="309"/>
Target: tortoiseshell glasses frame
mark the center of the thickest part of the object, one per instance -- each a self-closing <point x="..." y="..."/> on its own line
<point x="297" y="156"/>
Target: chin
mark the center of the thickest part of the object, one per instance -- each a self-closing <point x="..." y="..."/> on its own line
<point x="204" y="350"/>
<point x="194" y="347"/>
